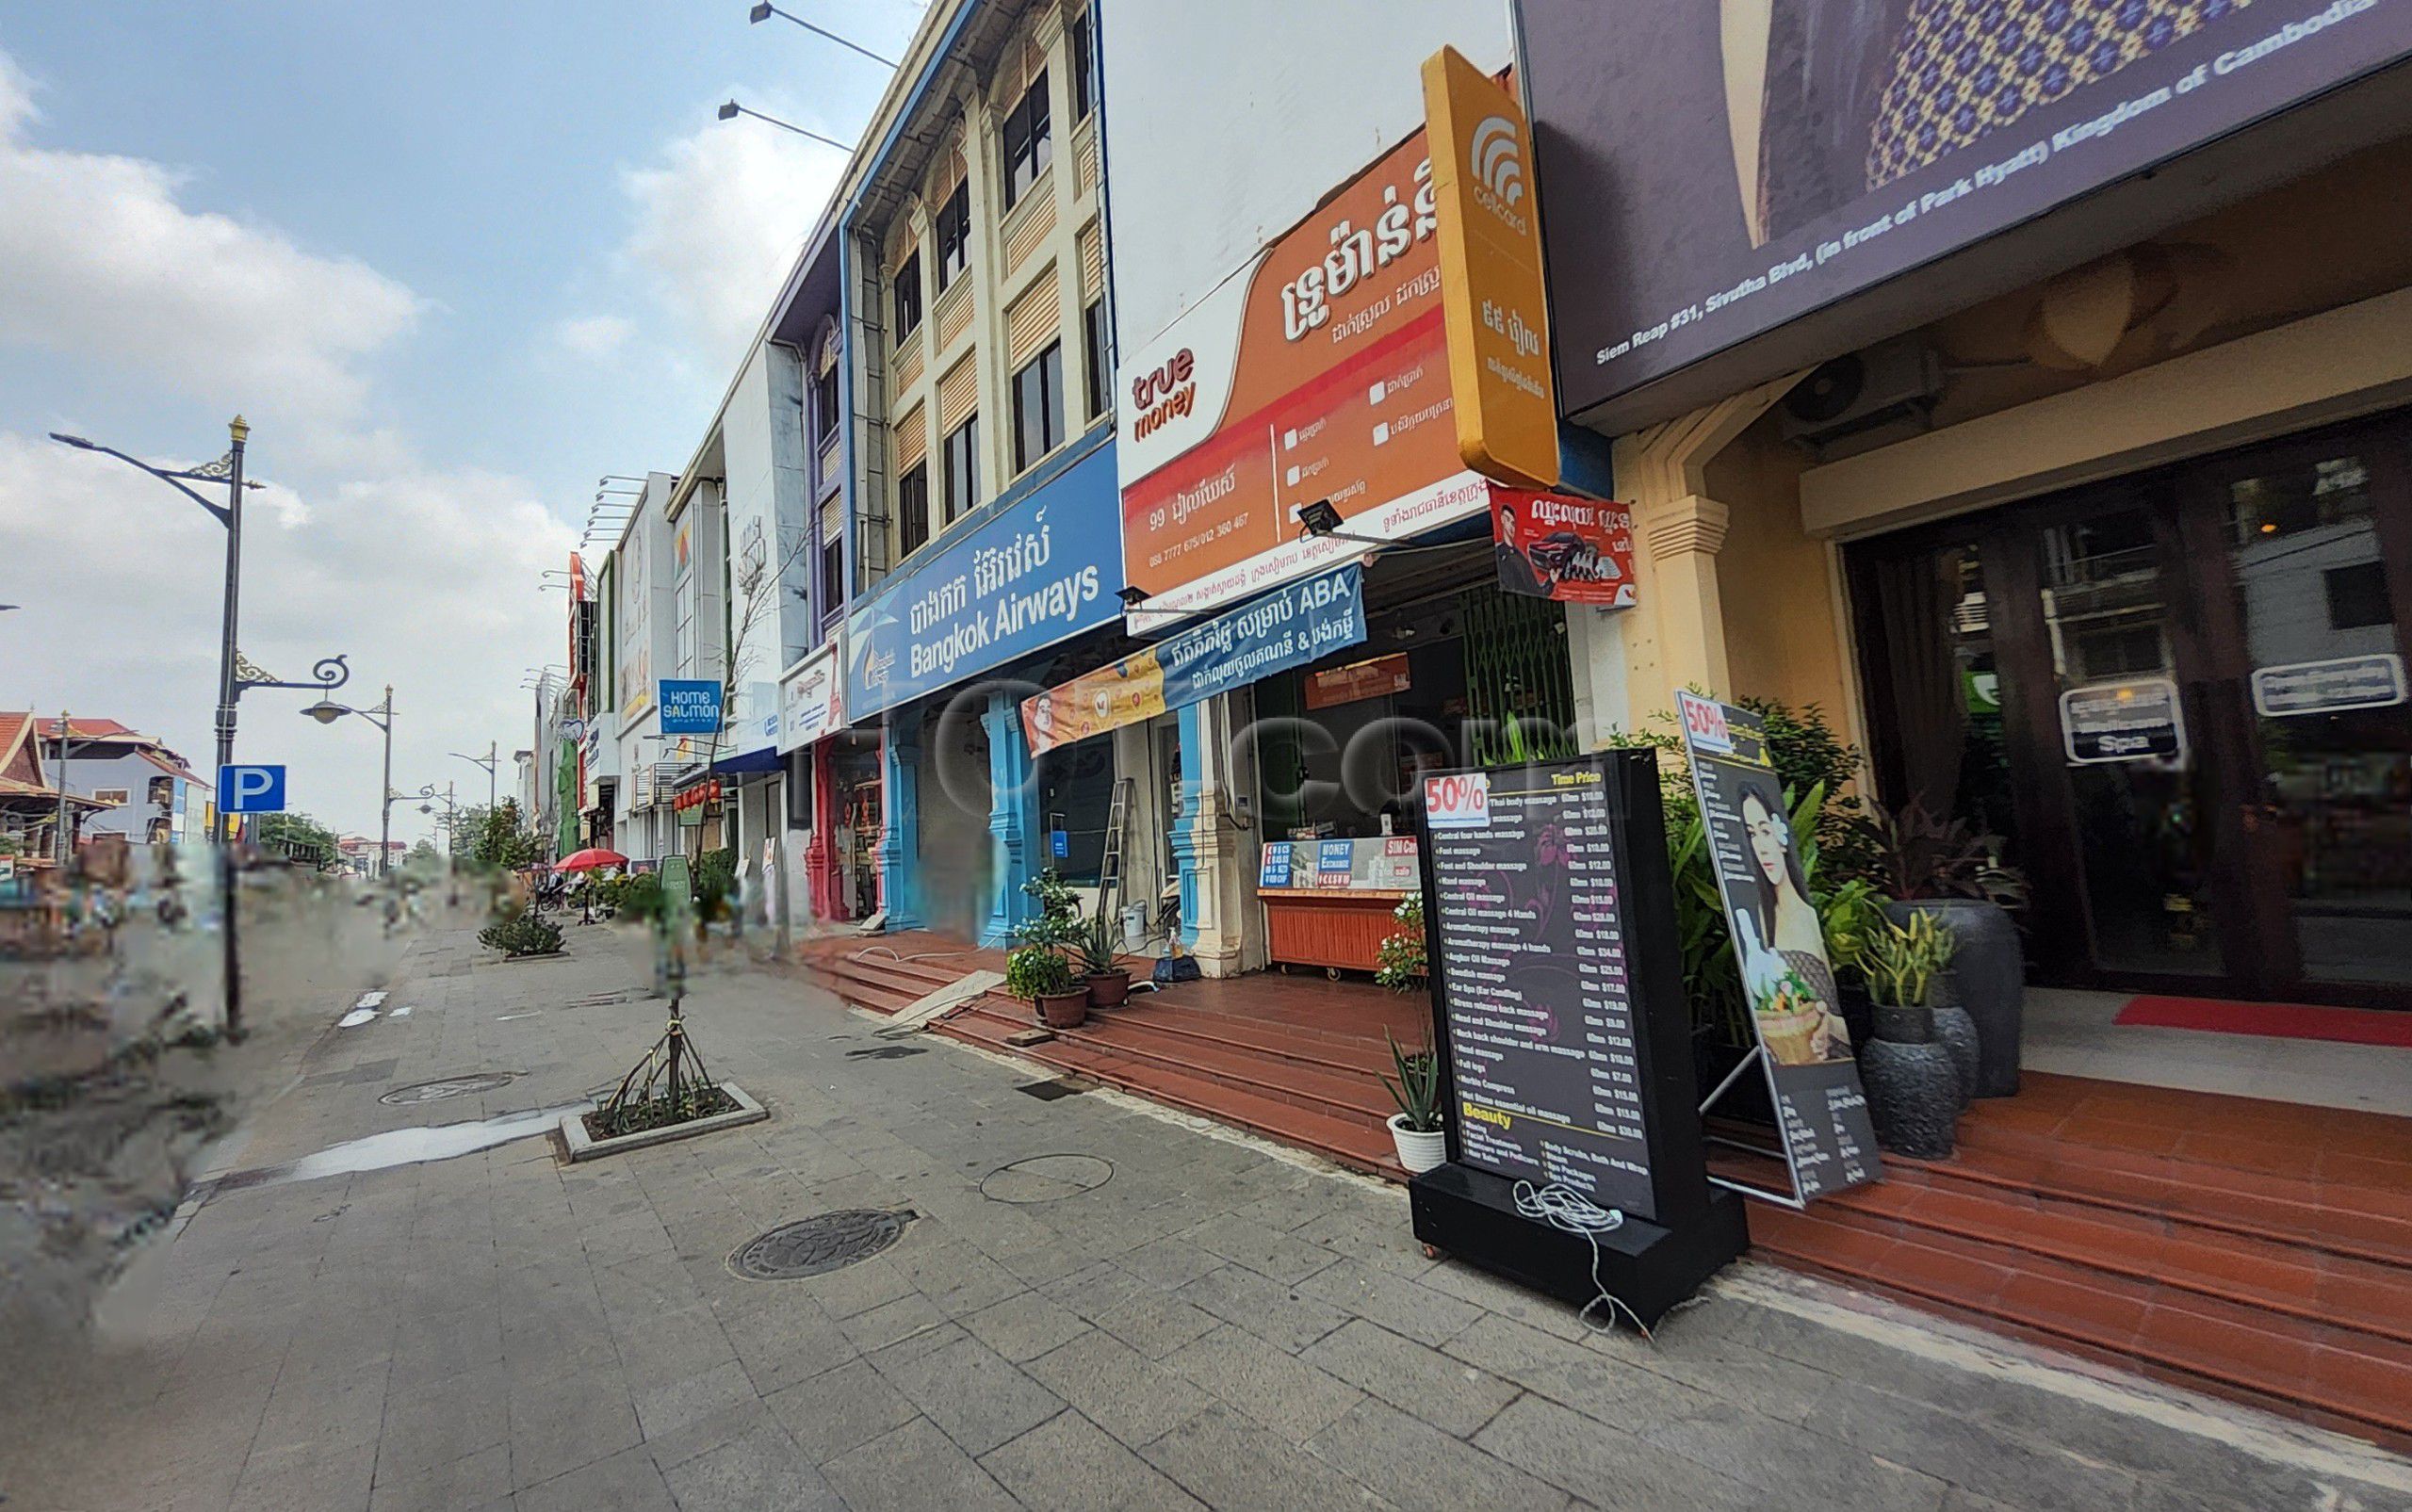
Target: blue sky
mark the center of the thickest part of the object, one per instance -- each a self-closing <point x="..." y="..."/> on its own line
<point x="453" y="261"/>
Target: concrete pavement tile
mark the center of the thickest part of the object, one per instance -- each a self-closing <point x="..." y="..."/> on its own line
<point x="645" y="1284"/>
<point x="785" y="1337"/>
<point x="471" y="1480"/>
<point x="657" y="1349"/>
<point x="761" y="1471"/>
<point x="1168" y="1263"/>
<point x="313" y="1478"/>
<point x="1788" y="1459"/>
<point x="677" y="1445"/>
<point x="323" y="1411"/>
<point x="1592" y="1383"/>
<point x="1967" y="1451"/>
<point x="439" y="1349"/>
<point x="1219" y="1457"/>
<point x="1276" y="1313"/>
<point x="1117" y="1387"/>
<point x="668" y="1404"/>
<point x="891" y="1322"/>
<point x="1419" y="1468"/>
<point x="439" y="1424"/>
<point x="859" y="1288"/>
<point x="1534" y="1310"/>
<point x="1024" y="1326"/>
<point x="558" y="1426"/>
<point x="1094" y="1289"/>
<point x="1261" y="1249"/>
<point x="1068" y="1464"/>
<point x="914" y="1469"/>
<point x="840" y="1410"/>
<point x="1390" y="1247"/>
<point x="972" y="1392"/>
<point x="957" y="1277"/>
<point x="1156" y="1325"/>
<point x="1285" y="1210"/>
<point x="625" y="1482"/>
<point x="1394" y="1302"/>
<point x="1448" y="1394"/>
<point x="1280" y="1393"/>
<point x="1606" y="1466"/>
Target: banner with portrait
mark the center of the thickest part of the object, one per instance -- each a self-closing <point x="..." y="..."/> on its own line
<point x="1574" y="550"/>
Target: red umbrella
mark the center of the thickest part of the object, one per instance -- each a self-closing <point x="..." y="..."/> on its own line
<point x="589" y="859"/>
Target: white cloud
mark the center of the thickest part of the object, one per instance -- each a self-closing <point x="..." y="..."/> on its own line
<point x="721" y="217"/>
<point x="595" y="335"/>
<point x="99" y="256"/>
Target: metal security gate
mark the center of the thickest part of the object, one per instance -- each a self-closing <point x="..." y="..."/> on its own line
<point x="1519" y="686"/>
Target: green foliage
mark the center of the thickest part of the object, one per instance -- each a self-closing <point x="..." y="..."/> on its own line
<point x="1902" y="960"/>
<point x="1925" y="857"/>
<point x="1417" y="1086"/>
<point x="1035" y="972"/>
<point x="1848" y="915"/>
<point x="521" y="934"/>
<point x="1094" y="946"/>
<point x="638" y="897"/>
<point x="1058" y="924"/>
<point x="715" y="882"/>
<point x="296" y="835"/>
<point x="496" y="837"/>
<point x="1399" y="961"/>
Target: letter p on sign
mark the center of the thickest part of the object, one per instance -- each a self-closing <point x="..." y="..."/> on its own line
<point x="250" y="790"/>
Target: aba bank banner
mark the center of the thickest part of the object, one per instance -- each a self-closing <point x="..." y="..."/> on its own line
<point x="1043" y="569"/>
<point x="1304" y="621"/>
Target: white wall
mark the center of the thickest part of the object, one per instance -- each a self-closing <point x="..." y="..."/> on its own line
<point x="1226" y="121"/>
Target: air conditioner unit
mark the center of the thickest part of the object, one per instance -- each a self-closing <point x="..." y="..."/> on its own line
<point x="1892" y="381"/>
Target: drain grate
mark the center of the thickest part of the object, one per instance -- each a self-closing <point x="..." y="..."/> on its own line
<point x="1046" y="1178"/>
<point x="1063" y="1086"/>
<point x="818" y="1244"/>
<point x="451" y="1086"/>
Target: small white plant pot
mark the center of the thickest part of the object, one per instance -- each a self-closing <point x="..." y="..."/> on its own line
<point x="1418" y="1152"/>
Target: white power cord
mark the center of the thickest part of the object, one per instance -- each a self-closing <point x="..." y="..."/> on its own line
<point x="1569" y="1212"/>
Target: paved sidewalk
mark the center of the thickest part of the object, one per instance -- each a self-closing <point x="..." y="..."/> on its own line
<point x="1216" y="1324"/>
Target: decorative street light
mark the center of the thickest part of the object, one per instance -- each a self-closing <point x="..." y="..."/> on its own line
<point x="327" y="712"/>
<point x="234" y="672"/>
<point x="486" y="761"/>
<point x="764" y="11"/>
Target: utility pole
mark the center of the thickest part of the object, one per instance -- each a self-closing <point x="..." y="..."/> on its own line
<point x="58" y="841"/>
<point x="229" y="928"/>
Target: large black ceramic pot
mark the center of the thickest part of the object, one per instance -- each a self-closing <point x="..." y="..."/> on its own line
<point x="1956" y="1031"/>
<point x="1992" y="981"/>
<point x="1912" y="1088"/>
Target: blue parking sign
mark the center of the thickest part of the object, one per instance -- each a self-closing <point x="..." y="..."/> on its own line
<point x="250" y="790"/>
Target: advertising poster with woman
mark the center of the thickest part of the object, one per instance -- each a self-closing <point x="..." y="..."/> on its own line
<point x="1787" y="981"/>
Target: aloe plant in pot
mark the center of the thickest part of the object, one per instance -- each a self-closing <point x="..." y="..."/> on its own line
<point x="1109" y="984"/>
<point x="1416" y="1129"/>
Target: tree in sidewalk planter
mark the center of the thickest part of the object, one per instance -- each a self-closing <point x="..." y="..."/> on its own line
<point x="1399" y="961"/>
<point x="670" y="1084"/>
<point x="715" y="887"/>
<point x="496" y="838"/>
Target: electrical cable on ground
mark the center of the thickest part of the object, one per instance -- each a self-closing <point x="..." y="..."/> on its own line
<point x="1569" y="1212"/>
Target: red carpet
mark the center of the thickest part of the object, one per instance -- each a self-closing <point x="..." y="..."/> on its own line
<point x="2281" y="1020"/>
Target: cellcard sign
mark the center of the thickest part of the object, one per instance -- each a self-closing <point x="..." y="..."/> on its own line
<point x="1788" y="982"/>
<point x="1288" y="627"/>
<point x="1740" y="165"/>
<point x="690" y="705"/>
<point x="1046" y="566"/>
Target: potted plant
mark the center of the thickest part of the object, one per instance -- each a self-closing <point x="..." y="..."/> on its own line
<point x="1416" y="1129"/>
<point x="1913" y="1086"/>
<point x="1399" y="961"/>
<point x="1953" y="870"/>
<point x="1109" y="984"/>
<point x="1041" y="976"/>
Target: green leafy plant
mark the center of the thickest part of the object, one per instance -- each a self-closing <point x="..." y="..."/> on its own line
<point x="638" y="896"/>
<point x="1057" y="924"/>
<point x="1417" y="1086"/>
<point x="1903" y="959"/>
<point x="1848" y="916"/>
<point x="1399" y="963"/>
<point x="1924" y="856"/>
<point x="1035" y="971"/>
<point x="1094" y="946"/>
<point x="521" y="934"/>
<point x="715" y="882"/>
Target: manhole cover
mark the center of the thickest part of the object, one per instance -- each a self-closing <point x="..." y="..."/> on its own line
<point x="817" y="1244"/>
<point x="451" y="1086"/>
<point x="1046" y="1178"/>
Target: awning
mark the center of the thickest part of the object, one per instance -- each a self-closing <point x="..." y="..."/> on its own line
<point x="759" y="761"/>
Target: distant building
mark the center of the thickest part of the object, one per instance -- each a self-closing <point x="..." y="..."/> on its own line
<point x="144" y="789"/>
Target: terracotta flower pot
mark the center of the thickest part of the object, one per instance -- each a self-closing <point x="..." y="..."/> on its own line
<point x="1065" y="1010"/>
<point x="1109" y="989"/>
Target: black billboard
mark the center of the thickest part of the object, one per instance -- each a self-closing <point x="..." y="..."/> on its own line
<point x="1709" y="172"/>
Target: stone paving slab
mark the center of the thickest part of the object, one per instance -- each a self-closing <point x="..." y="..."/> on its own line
<point x="1219" y="1324"/>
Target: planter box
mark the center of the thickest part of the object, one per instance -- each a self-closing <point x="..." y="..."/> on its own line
<point x="585" y="1146"/>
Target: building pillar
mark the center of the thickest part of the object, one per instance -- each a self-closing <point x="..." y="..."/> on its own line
<point x="1203" y="842"/>
<point x="900" y="839"/>
<point x="1013" y="818"/>
<point x="823" y="884"/>
<point x="1675" y="635"/>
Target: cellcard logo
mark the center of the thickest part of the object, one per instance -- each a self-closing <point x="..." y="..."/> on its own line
<point x="1497" y="164"/>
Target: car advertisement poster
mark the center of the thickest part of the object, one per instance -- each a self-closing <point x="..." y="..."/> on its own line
<point x="1574" y="550"/>
<point x="1812" y="1078"/>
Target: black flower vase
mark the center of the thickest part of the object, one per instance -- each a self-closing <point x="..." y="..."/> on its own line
<point x="1913" y="1087"/>
<point x="1955" y="1028"/>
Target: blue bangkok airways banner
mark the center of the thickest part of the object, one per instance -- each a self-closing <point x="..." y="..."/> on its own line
<point x="1044" y="567"/>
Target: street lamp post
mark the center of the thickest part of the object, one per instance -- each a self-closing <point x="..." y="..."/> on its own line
<point x="235" y="674"/>
<point x="326" y="712"/>
<point x="486" y="761"/>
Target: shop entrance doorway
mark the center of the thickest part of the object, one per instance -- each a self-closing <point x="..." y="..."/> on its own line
<point x="2180" y="696"/>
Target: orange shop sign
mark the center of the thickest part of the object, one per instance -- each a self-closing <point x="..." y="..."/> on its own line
<point x="1321" y="373"/>
<point x="1497" y="307"/>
